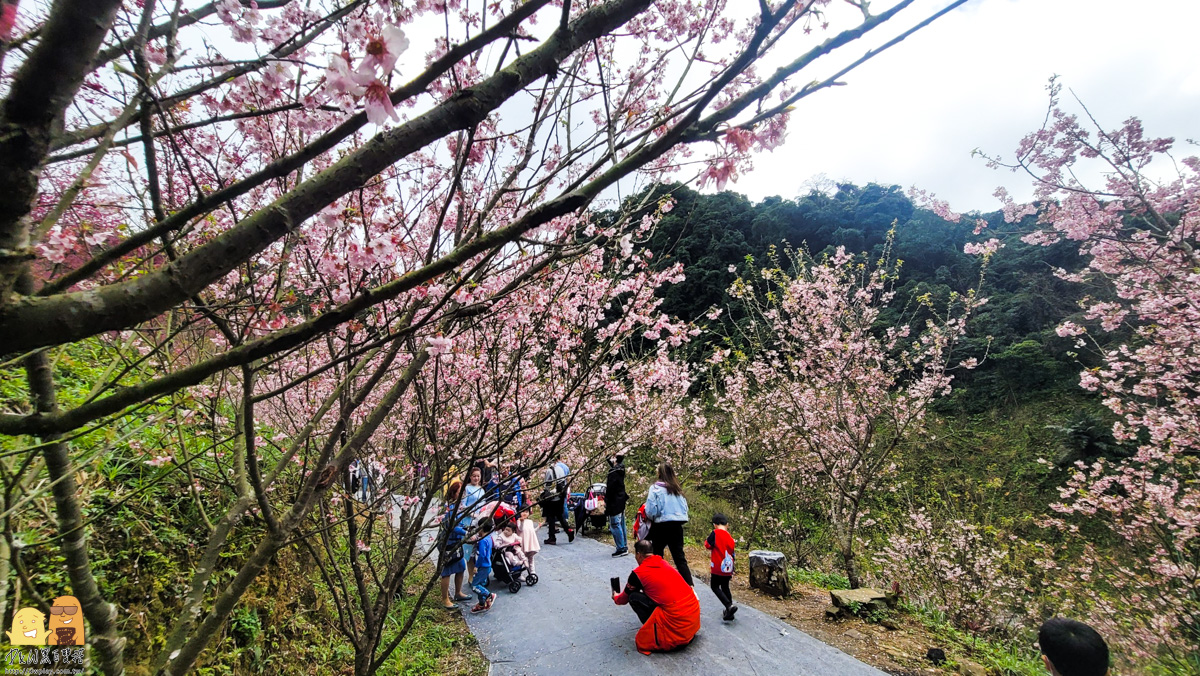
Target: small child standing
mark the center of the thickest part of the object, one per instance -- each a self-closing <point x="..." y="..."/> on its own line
<point x="527" y="529"/>
<point x="483" y="566"/>
<point x="721" y="544"/>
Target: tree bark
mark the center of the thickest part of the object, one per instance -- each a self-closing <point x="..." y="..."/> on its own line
<point x="100" y="614"/>
<point x="41" y="90"/>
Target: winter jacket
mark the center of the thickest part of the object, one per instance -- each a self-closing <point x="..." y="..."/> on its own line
<point x="676" y="620"/>
<point x="615" y="497"/>
<point x="662" y="507"/>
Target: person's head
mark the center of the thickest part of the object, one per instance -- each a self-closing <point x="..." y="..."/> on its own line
<point x="485" y="525"/>
<point x="721" y="521"/>
<point x="1071" y="648"/>
<point x="526" y="513"/>
<point x="642" y="549"/>
<point x="618" y="459"/>
<point x="475" y="476"/>
<point x="452" y="491"/>
<point x="666" y="475"/>
<point x="509" y="527"/>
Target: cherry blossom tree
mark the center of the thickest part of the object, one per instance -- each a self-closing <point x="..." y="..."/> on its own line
<point x="836" y="394"/>
<point x="279" y="214"/>
<point x="545" y="372"/>
<point x="1137" y="227"/>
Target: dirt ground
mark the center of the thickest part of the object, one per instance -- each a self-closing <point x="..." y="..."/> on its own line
<point x="900" y="652"/>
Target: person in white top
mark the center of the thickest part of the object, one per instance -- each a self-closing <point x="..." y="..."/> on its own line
<point x="527" y="527"/>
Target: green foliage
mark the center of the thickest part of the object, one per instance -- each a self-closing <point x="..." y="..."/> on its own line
<point x="818" y="578"/>
<point x="999" y="656"/>
<point x="438" y="643"/>
<point x="1012" y="336"/>
<point x="145" y="527"/>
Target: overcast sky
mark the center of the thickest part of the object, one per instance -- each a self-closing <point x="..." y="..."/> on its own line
<point x="976" y="79"/>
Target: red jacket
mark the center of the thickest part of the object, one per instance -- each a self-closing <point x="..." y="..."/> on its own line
<point x="721" y="543"/>
<point x="676" y="620"/>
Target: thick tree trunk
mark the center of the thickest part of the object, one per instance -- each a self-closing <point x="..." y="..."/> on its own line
<point x="849" y="565"/>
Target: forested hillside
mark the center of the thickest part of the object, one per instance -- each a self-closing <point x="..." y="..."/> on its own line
<point x="717" y="237"/>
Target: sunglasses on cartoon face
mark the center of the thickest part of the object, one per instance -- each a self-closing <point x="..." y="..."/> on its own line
<point x="59" y="610"/>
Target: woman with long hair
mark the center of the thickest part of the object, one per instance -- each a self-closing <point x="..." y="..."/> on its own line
<point x="667" y="510"/>
<point x="472" y="494"/>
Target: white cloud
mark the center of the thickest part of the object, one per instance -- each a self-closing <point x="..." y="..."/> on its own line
<point x="976" y="79"/>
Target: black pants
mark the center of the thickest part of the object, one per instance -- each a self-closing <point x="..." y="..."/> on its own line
<point x="670" y="534"/>
<point x="720" y="587"/>
<point x="641" y="604"/>
<point x="553" y="511"/>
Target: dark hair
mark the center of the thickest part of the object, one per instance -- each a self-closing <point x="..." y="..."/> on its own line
<point x="666" y="474"/>
<point x="720" y="519"/>
<point x="1074" y="648"/>
<point x="453" y="490"/>
<point x="485" y="524"/>
<point x="620" y="457"/>
<point x="644" y="547"/>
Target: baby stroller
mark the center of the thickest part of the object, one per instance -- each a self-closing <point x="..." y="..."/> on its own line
<point x="510" y="575"/>
<point x="590" y="510"/>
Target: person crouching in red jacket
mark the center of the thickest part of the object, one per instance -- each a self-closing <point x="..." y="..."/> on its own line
<point x="665" y="604"/>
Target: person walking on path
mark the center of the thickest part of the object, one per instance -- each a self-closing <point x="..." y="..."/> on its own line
<point x="554" y="500"/>
<point x="472" y="494"/>
<point x="453" y="560"/>
<point x="664" y="602"/>
<point x="615" y="499"/>
<point x="667" y="510"/>
<point x="720" y="570"/>
<point x="483" y="566"/>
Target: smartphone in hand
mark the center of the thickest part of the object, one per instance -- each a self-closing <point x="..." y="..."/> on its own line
<point x="616" y="584"/>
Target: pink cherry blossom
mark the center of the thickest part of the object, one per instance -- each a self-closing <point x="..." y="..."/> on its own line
<point x="384" y="49"/>
<point x="378" y="104"/>
<point x="436" y="345"/>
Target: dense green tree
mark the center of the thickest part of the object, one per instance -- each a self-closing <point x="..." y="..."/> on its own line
<point x="1012" y="336"/>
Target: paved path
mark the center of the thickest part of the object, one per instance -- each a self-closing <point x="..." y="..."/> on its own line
<point x="568" y="624"/>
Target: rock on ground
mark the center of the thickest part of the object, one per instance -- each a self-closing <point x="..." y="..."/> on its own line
<point x="768" y="572"/>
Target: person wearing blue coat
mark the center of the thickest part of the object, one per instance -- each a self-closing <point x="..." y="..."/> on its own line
<point x="667" y="510"/>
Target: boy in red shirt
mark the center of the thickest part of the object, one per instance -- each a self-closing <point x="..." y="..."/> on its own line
<point x="721" y="544"/>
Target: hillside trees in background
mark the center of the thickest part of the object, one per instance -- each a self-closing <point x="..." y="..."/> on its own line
<point x="715" y="237"/>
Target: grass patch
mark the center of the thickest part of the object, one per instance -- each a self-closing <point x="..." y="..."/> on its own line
<point x="818" y="578"/>
<point x="1005" y="657"/>
<point x="438" y="643"/>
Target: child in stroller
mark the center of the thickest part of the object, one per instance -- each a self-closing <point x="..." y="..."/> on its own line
<point x="509" y="563"/>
